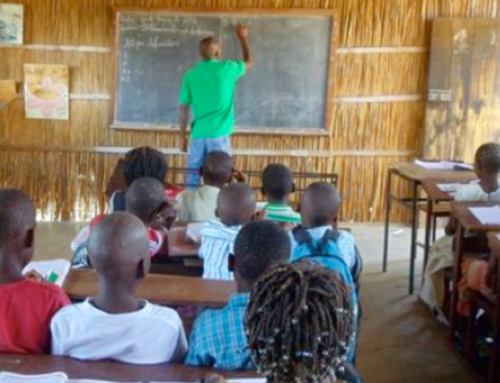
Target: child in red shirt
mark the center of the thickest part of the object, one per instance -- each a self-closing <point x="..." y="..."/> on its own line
<point x="26" y="306"/>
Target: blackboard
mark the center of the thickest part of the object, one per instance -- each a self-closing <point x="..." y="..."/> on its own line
<point x="288" y="86"/>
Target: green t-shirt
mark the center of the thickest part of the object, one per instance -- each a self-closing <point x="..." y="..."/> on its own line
<point x="209" y="88"/>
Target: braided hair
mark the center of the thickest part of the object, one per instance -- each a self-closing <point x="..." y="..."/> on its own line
<point x="488" y="157"/>
<point x="300" y="323"/>
<point x="144" y="162"/>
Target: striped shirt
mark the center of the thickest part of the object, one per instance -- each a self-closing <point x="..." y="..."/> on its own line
<point x="281" y="212"/>
<point x="217" y="242"/>
<point x="218" y="339"/>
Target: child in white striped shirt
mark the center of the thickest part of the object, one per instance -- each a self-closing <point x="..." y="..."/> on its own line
<point x="235" y="207"/>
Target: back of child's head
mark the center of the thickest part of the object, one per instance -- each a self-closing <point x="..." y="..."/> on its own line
<point x="236" y="204"/>
<point x="299" y="323"/>
<point x="144" y="198"/>
<point x="217" y="169"/>
<point x="320" y="204"/>
<point x="17" y="224"/>
<point x="144" y="162"/>
<point x="258" y="246"/>
<point x="277" y="182"/>
<point x="119" y="247"/>
<point x="487" y="159"/>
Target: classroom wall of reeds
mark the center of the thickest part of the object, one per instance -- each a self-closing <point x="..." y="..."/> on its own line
<point x="65" y="165"/>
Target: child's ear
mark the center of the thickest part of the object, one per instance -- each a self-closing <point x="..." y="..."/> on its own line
<point x="263" y="191"/>
<point x="294" y="188"/>
<point x="143" y="268"/>
<point x="231" y="263"/>
<point x="29" y="240"/>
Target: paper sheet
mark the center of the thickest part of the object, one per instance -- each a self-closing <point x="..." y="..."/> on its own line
<point x="487" y="215"/>
<point x="443" y="165"/>
<point x="56" y="377"/>
<point x="57" y="267"/>
<point x="449" y="188"/>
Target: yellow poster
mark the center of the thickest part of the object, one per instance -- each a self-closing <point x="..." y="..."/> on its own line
<point x="46" y="91"/>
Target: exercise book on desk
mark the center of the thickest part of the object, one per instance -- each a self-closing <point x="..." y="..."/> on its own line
<point x="443" y="165"/>
<point x="54" y="271"/>
<point x="487" y="215"/>
<point x="56" y="377"/>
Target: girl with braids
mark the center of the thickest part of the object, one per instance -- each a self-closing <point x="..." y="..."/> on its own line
<point x="487" y="168"/>
<point x="142" y="162"/>
<point x="300" y="326"/>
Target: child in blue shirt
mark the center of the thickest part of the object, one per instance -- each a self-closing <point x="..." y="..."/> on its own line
<point x="319" y="207"/>
<point x="218" y="339"/>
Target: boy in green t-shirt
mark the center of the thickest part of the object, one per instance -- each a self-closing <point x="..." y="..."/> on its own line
<point x="277" y="185"/>
<point x="209" y="88"/>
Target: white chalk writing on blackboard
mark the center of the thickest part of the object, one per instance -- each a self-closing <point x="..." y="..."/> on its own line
<point x="153" y="42"/>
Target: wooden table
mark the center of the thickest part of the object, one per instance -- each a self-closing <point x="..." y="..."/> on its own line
<point x="466" y="222"/>
<point x="436" y="196"/>
<point x="162" y="289"/>
<point x="111" y="371"/>
<point x="415" y="175"/>
<point x="179" y="245"/>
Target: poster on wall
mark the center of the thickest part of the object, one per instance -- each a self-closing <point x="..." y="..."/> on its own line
<point x="46" y="91"/>
<point x="11" y="24"/>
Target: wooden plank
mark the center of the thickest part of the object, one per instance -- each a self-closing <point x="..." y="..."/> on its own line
<point x="161" y="289"/>
<point x="108" y="370"/>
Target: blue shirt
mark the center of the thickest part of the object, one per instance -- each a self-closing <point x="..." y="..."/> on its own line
<point x="345" y="244"/>
<point x="218" y="339"/>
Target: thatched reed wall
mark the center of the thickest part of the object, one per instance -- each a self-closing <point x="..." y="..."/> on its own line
<point x="65" y="165"/>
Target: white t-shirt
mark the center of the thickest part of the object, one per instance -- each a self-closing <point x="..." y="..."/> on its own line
<point x="151" y="335"/>
<point x="474" y="192"/>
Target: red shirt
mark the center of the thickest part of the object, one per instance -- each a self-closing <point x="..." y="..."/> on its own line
<point x="26" y="309"/>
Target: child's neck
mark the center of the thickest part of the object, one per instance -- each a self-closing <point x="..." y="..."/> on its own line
<point x="489" y="183"/>
<point x="283" y="200"/>
<point x="116" y="298"/>
<point x="9" y="273"/>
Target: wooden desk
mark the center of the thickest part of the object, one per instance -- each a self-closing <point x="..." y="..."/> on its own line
<point x="179" y="245"/>
<point x="466" y="222"/>
<point x="162" y="289"/>
<point x="111" y="371"/>
<point x="436" y="196"/>
<point x="414" y="175"/>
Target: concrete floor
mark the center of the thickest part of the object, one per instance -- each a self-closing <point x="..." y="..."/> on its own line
<point x="400" y="342"/>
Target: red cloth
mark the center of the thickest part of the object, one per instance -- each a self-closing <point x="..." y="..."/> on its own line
<point x="26" y="309"/>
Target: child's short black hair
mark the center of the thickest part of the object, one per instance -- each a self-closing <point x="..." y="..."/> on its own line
<point x="277" y="181"/>
<point x="217" y="169"/>
<point x="258" y="246"/>
<point x="488" y="157"/>
<point x="144" y="162"/>
<point x="144" y="198"/>
<point x="320" y="204"/>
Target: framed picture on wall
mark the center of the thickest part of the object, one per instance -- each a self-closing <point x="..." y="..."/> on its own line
<point x="11" y="24"/>
<point x="46" y="91"/>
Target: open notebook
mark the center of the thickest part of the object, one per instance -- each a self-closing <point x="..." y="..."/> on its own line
<point x="54" y="271"/>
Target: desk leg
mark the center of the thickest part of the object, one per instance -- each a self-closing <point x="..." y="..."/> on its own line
<point x="457" y="271"/>
<point x="387" y="219"/>
<point x="429" y="227"/>
<point x="414" y="233"/>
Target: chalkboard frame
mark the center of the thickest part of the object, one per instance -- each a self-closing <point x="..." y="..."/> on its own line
<point x="333" y="14"/>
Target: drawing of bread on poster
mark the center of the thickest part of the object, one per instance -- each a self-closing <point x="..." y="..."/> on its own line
<point x="11" y="24"/>
<point x="46" y="91"/>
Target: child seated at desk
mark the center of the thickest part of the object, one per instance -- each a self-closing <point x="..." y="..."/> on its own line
<point x="218" y="339"/>
<point x="277" y="185"/>
<point x="145" y="199"/>
<point x="26" y="305"/>
<point x="199" y="205"/>
<point x="487" y="168"/>
<point x="235" y="207"/>
<point x="299" y="326"/>
<point x="143" y="162"/>
<point x="114" y="324"/>
<point x="319" y="207"/>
